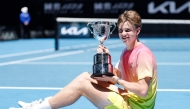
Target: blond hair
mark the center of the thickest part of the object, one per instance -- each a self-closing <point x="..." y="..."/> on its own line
<point x="131" y="16"/>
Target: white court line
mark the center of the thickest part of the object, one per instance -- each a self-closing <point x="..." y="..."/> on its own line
<point x="59" y="63"/>
<point x="53" y="56"/>
<point x="114" y="43"/>
<point x="36" y="52"/>
<point x="53" y="88"/>
<point x="90" y="63"/>
<point x="31" y="88"/>
<point x="26" y="53"/>
<point x="146" y="21"/>
<point x="42" y="57"/>
<point x="173" y="63"/>
<point x="53" y="50"/>
<point x="173" y="90"/>
<point x="110" y="46"/>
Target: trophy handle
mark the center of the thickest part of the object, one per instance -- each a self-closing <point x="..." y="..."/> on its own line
<point x="88" y="25"/>
<point x="113" y="27"/>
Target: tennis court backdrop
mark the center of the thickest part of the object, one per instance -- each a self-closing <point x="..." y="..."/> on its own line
<point x="77" y="28"/>
<point x="45" y="12"/>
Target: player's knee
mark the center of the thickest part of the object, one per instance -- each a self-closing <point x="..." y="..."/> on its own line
<point x="85" y="74"/>
<point x="84" y="77"/>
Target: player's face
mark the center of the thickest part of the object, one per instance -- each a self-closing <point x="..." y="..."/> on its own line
<point x="128" y="33"/>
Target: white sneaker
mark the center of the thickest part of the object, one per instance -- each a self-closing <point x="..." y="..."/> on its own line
<point x="33" y="105"/>
<point x="24" y="104"/>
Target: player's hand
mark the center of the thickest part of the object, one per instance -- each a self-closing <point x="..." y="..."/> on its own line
<point x="102" y="48"/>
<point x="111" y="79"/>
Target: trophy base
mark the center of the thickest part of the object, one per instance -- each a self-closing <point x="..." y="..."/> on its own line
<point x="102" y="69"/>
<point x="100" y="75"/>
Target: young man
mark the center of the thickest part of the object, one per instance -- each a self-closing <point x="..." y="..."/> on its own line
<point x="136" y="72"/>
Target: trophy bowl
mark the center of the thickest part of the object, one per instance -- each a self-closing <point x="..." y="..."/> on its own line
<point x="102" y="61"/>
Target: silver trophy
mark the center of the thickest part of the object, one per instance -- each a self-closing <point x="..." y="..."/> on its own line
<point x="102" y="61"/>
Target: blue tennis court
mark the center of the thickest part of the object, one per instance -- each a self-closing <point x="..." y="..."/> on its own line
<point x="32" y="69"/>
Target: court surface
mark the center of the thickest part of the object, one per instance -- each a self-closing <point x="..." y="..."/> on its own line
<point x="30" y="69"/>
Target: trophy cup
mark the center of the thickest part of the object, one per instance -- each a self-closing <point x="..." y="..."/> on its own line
<point x="102" y="61"/>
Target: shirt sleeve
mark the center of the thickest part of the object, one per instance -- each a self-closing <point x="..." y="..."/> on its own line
<point x="118" y="65"/>
<point x="144" y="65"/>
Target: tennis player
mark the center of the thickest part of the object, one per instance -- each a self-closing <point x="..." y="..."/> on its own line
<point x="136" y="72"/>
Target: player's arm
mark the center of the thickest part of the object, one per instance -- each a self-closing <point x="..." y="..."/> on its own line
<point x="140" y="88"/>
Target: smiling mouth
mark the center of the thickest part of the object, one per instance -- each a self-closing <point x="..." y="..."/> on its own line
<point x="125" y="38"/>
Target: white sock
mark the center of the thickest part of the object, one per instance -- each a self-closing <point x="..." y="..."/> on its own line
<point x="44" y="105"/>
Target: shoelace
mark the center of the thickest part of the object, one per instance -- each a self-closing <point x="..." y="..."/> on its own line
<point x="33" y="103"/>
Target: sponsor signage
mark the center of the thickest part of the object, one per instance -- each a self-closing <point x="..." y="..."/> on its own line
<point x="73" y="30"/>
<point x="111" y="8"/>
<point x="8" y="35"/>
<point x="168" y="7"/>
<point x="63" y="8"/>
<point x="149" y="9"/>
<point x="44" y="12"/>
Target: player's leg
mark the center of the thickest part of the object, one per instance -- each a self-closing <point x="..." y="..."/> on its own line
<point x="81" y="86"/>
